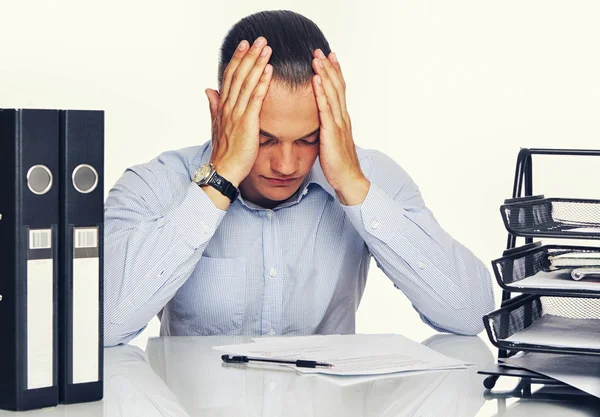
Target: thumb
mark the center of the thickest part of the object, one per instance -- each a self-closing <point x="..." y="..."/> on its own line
<point x="213" y="102"/>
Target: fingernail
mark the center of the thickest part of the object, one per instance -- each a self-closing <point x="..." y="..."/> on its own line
<point x="319" y="63"/>
<point x="321" y="54"/>
<point x="242" y="45"/>
<point x="265" y="51"/>
<point x="318" y="79"/>
<point x="259" y="41"/>
<point x="334" y="57"/>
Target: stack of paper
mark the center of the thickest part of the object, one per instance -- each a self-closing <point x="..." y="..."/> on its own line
<point x="561" y="332"/>
<point x="560" y="279"/>
<point x="350" y="354"/>
<point x="581" y="264"/>
<point x="574" y="260"/>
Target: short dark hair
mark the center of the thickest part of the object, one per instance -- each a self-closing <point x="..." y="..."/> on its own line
<point x="292" y="38"/>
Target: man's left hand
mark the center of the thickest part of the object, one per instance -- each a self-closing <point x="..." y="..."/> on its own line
<point x="337" y="152"/>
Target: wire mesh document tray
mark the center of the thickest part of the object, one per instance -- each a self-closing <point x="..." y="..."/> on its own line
<point x="550" y="270"/>
<point x="537" y="216"/>
<point x="546" y="324"/>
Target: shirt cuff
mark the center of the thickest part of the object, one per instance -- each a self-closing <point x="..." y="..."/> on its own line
<point x="196" y="216"/>
<point x="378" y="216"/>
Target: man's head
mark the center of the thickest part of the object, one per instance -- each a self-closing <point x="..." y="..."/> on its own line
<point x="289" y="120"/>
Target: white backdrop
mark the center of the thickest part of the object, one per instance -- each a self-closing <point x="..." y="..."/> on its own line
<point x="449" y="89"/>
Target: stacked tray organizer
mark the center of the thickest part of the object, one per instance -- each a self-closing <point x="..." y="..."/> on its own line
<point x="544" y="309"/>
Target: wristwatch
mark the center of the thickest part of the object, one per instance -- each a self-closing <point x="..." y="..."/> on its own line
<point x="207" y="175"/>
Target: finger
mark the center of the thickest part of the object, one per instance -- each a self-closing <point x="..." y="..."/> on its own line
<point x="260" y="92"/>
<point x="243" y="69"/>
<point x="341" y="83"/>
<point x="325" y="115"/>
<point x="213" y="102"/>
<point x="336" y="64"/>
<point x="338" y="81"/>
<point x="330" y="91"/>
<point x="239" y="53"/>
<point x="252" y="79"/>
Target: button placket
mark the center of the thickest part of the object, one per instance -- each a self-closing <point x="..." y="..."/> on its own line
<point x="272" y="288"/>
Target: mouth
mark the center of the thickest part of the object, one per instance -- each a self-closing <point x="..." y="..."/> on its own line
<point x="278" y="181"/>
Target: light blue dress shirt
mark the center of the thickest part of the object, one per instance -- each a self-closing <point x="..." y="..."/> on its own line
<point x="298" y="269"/>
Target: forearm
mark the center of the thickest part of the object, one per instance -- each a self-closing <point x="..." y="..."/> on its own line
<point x="147" y="261"/>
<point x="446" y="283"/>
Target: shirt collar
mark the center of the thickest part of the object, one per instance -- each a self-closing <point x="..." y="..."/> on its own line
<point x="315" y="176"/>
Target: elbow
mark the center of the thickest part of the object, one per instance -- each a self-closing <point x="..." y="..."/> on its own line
<point x="114" y="335"/>
<point x="471" y="325"/>
<point x="471" y="321"/>
<point x="465" y="321"/>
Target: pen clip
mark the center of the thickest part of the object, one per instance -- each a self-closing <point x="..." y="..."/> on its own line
<point x="234" y="359"/>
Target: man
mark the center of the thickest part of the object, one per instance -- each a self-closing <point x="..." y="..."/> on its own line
<point x="269" y="227"/>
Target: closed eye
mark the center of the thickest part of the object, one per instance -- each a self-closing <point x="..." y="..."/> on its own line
<point x="267" y="142"/>
<point x="309" y="142"/>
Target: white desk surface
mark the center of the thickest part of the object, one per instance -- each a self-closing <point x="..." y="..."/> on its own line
<point x="183" y="376"/>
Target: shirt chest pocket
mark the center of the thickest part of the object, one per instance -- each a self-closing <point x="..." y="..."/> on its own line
<point x="213" y="298"/>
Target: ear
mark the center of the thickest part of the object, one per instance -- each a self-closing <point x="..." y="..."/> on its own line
<point x="213" y="101"/>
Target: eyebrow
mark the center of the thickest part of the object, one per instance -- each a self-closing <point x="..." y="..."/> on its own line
<point x="272" y="136"/>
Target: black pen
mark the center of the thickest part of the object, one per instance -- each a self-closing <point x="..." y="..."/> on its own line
<point x="299" y="363"/>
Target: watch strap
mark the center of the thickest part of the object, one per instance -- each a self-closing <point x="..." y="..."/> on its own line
<point x="223" y="186"/>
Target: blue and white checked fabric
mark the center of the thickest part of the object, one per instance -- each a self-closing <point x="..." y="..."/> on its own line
<point x="298" y="269"/>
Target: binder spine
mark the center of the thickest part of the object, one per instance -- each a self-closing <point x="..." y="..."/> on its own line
<point x="81" y="270"/>
<point x="28" y="242"/>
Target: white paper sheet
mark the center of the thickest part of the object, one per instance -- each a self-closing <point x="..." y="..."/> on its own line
<point x="561" y="332"/>
<point x="579" y="371"/>
<point x="560" y="279"/>
<point x="350" y="354"/>
<point x="584" y="230"/>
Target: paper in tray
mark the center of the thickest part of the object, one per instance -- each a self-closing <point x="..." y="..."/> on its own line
<point x="560" y="332"/>
<point x="536" y="267"/>
<point x="546" y="324"/>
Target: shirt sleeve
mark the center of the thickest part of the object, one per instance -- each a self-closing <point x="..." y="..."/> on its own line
<point x="447" y="284"/>
<point x="157" y="225"/>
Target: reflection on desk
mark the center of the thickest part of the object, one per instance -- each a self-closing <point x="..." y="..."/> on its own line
<point x="185" y="377"/>
<point x="549" y="401"/>
<point x="205" y="386"/>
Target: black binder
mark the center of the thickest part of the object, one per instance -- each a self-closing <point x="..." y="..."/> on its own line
<point x="28" y="258"/>
<point x="81" y="255"/>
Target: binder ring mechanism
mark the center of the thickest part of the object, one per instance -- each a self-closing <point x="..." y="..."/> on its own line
<point x="39" y="179"/>
<point x="85" y="178"/>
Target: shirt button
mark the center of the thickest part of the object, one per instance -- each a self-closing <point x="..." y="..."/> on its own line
<point x="421" y="265"/>
<point x="272" y="385"/>
<point x="205" y="228"/>
<point x="269" y="214"/>
<point x="305" y="191"/>
<point x="272" y="332"/>
<point x="374" y="224"/>
<point x="273" y="272"/>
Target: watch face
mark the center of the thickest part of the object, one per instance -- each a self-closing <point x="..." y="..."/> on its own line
<point x="203" y="174"/>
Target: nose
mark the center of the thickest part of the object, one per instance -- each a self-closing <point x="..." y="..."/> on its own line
<point x="285" y="161"/>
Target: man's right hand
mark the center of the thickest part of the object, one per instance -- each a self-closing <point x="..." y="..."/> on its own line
<point x="235" y="112"/>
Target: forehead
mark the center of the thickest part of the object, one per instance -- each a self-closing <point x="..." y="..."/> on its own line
<point x="287" y="113"/>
